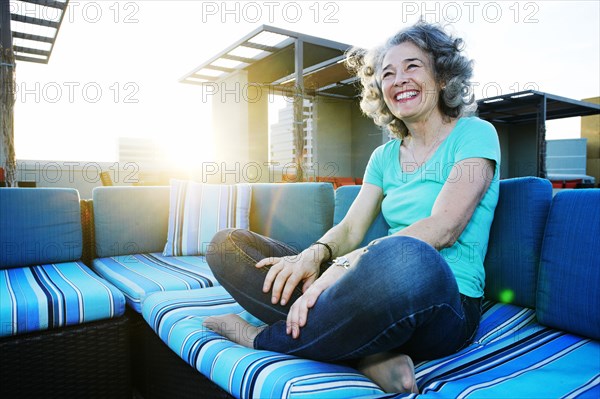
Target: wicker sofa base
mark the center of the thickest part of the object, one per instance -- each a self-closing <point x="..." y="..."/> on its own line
<point x="83" y="361"/>
<point x="160" y="374"/>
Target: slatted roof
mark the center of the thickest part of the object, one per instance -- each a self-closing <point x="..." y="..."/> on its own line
<point x="526" y="106"/>
<point x="35" y="25"/>
<point x="268" y="54"/>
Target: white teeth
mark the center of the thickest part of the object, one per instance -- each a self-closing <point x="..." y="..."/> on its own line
<point x="406" y="94"/>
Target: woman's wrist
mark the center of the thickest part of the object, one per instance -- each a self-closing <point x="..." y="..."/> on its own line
<point x="323" y="252"/>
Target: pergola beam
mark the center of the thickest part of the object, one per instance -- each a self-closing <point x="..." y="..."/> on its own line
<point x="35" y="38"/>
<point x="47" y="3"/>
<point x="34" y="21"/>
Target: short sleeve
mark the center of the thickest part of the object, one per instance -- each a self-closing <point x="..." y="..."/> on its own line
<point x="478" y="139"/>
<point x="374" y="169"/>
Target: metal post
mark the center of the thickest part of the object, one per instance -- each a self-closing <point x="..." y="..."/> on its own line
<point x="299" y="109"/>
<point x="541" y="138"/>
<point x="7" y="99"/>
<point x="5" y="30"/>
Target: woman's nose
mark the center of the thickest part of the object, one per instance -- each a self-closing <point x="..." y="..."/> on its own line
<point x="400" y="79"/>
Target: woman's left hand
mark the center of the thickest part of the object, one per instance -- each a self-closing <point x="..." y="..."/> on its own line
<point x="298" y="314"/>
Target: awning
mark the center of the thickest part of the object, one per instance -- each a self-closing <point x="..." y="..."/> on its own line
<point x="35" y="25"/>
<point x="269" y="55"/>
<point x="526" y="106"/>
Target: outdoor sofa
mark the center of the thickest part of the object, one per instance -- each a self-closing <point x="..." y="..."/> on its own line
<point x="538" y="336"/>
<point x="63" y="333"/>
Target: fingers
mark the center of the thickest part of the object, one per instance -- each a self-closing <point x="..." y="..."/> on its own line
<point x="313" y="294"/>
<point x="271" y="274"/>
<point x="283" y="275"/>
<point x="281" y="281"/>
<point x="296" y="318"/>
<point x="290" y="285"/>
<point x="298" y="314"/>
<point x="267" y="261"/>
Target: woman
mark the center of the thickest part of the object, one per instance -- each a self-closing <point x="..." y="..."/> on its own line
<point x="415" y="294"/>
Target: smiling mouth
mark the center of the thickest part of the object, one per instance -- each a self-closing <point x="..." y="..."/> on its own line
<point x="406" y="95"/>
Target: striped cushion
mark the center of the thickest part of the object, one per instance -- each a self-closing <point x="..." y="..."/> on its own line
<point x="54" y="295"/>
<point x="197" y="211"/>
<point x="142" y="274"/>
<point x="512" y="356"/>
<point x="244" y="373"/>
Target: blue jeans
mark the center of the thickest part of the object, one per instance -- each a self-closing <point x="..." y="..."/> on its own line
<point x="400" y="296"/>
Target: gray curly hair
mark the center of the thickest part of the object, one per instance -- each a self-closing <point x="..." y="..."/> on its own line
<point x="450" y="66"/>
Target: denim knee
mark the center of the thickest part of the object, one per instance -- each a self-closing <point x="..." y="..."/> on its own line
<point x="411" y="265"/>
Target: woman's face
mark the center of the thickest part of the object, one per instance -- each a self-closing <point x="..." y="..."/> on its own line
<point x="409" y="87"/>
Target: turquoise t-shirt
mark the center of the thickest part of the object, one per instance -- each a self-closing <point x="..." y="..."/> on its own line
<point x="409" y="195"/>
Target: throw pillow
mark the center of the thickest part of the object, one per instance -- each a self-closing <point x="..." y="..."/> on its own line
<point x="198" y="211"/>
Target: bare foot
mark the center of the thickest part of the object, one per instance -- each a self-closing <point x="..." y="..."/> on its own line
<point x="234" y="328"/>
<point x="393" y="372"/>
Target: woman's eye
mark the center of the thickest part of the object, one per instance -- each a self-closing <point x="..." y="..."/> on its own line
<point x="387" y="74"/>
<point x="411" y="66"/>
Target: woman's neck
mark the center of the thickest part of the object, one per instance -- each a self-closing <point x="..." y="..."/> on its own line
<point x="429" y="130"/>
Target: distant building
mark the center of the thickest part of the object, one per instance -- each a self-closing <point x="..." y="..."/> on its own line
<point x="142" y="151"/>
<point x="281" y="139"/>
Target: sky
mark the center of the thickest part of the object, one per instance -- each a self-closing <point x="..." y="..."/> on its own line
<point x="115" y="67"/>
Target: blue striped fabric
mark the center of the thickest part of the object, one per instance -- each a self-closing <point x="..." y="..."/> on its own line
<point x="54" y="295"/>
<point x="512" y="356"/>
<point x="244" y="373"/>
<point x="198" y="211"/>
<point x="142" y="274"/>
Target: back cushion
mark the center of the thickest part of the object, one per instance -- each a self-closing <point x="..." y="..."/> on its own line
<point x="38" y="226"/>
<point x="569" y="281"/>
<point x="130" y="220"/>
<point x="295" y="213"/>
<point x="198" y="211"/>
<point x="513" y="255"/>
<point x="344" y="197"/>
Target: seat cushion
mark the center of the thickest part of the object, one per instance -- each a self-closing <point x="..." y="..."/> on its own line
<point x="514" y="356"/>
<point x="142" y="274"/>
<point x="54" y="295"/>
<point x="244" y="373"/>
<point x="510" y="354"/>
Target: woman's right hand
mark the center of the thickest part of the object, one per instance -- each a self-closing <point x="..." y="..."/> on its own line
<point x="287" y="273"/>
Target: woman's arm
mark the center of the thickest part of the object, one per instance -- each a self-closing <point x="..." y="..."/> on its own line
<point x="451" y="212"/>
<point x="350" y="232"/>
<point x="468" y="182"/>
<point x="287" y="273"/>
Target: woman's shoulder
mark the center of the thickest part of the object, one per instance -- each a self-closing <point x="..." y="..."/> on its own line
<point x="475" y="137"/>
<point x="473" y="128"/>
<point x="475" y="124"/>
<point x="387" y="149"/>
